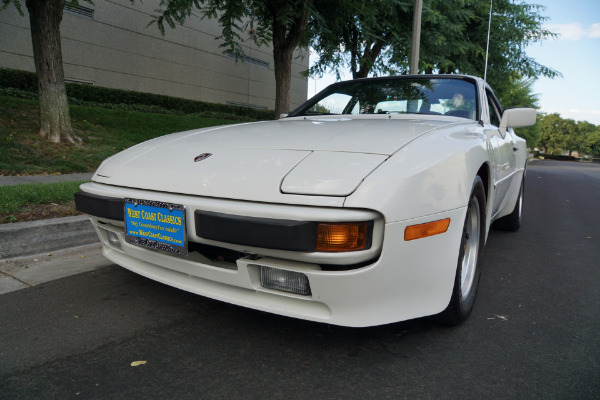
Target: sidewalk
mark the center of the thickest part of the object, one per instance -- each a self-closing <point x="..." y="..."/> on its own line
<point x="40" y="251"/>
<point x="24" y="272"/>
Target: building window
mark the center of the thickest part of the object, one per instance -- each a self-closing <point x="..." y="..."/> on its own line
<point x="250" y="60"/>
<point x="79" y="10"/>
<point x="79" y="81"/>
<point x="255" y="106"/>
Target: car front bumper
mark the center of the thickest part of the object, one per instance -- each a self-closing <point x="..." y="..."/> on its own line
<point x="393" y="280"/>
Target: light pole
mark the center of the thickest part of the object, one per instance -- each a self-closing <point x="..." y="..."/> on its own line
<point x="487" y="47"/>
<point x="416" y="37"/>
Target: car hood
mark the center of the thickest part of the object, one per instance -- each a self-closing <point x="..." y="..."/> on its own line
<point x="262" y="161"/>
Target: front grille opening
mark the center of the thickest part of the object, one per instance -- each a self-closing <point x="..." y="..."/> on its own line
<point x="216" y="254"/>
<point x="221" y="254"/>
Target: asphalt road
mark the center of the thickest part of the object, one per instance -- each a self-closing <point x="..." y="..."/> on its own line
<point x="533" y="333"/>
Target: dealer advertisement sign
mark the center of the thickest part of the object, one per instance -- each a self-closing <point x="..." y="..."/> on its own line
<point x="156" y="225"/>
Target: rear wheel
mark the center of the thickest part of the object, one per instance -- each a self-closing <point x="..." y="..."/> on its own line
<point x="512" y="221"/>
<point x="468" y="269"/>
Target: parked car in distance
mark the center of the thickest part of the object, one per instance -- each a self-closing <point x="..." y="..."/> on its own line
<point x="369" y="204"/>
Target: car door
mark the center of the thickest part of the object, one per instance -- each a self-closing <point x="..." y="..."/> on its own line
<point x="503" y="153"/>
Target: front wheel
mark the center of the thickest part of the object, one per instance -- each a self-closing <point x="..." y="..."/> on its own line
<point x="468" y="269"/>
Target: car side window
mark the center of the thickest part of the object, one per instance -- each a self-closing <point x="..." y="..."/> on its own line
<point x="494" y="109"/>
<point x="333" y="104"/>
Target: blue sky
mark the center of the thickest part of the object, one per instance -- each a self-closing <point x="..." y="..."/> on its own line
<point x="576" y="54"/>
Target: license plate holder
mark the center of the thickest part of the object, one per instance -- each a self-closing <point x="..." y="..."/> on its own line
<point x="156" y="225"/>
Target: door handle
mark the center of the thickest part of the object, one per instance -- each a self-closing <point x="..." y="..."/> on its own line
<point x="515" y="149"/>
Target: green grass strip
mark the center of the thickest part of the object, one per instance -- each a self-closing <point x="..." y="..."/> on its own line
<point x="104" y="132"/>
<point x="13" y="198"/>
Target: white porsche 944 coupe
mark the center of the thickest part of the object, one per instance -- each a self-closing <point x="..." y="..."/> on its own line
<point x="369" y="204"/>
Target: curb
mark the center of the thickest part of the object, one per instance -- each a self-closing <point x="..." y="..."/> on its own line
<point x="35" y="237"/>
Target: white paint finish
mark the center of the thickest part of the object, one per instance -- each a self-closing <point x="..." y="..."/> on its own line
<point x="246" y="174"/>
<point x="507" y="205"/>
<point x="433" y="174"/>
<point x="408" y="281"/>
<point x="250" y="161"/>
<point x="330" y="173"/>
<point x="377" y="134"/>
<point x="518" y="117"/>
<point x="504" y="163"/>
<point x="397" y="170"/>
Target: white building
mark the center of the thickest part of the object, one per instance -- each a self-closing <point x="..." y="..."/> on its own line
<point x="110" y="44"/>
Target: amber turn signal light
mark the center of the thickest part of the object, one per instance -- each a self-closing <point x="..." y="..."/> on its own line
<point x="341" y="236"/>
<point x="424" y="230"/>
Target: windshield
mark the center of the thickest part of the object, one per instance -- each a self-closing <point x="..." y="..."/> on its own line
<point x="444" y="96"/>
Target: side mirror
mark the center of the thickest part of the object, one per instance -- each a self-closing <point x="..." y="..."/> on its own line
<point x="282" y="116"/>
<point x="517" y="117"/>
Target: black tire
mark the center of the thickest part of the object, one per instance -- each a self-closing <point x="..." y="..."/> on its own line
<point x="468" y="270"/>
<point x="512" y="221"/>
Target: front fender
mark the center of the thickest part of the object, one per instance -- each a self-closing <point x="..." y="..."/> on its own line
<point x="432" y="174"/>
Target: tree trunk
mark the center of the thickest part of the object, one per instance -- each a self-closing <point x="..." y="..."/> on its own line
<point x="372" y="51"/>
<point x="285" y="39"/>
<point x="55" y="121"/>
<point x="283" y="79"/>
<point x="363" y="72"/>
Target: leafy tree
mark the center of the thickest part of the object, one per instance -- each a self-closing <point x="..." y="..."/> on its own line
<point x="572" y="139"/>
<point x="557" y="133"/>
<point x="551" y="133"/>
<point x="518" y="92"/>
<point x="373" y="37"/>
<point x="45" y="17"/>
<point x="515" y="25"/>
<point x="447" y="36"/>
<point x="593" y="141"/>
<point x="363" y="36"/>
<point x="280" y="22"/>
<point x="589" y="136"/>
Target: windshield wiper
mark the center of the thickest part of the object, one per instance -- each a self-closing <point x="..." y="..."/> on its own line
<point x="316" y="113"/>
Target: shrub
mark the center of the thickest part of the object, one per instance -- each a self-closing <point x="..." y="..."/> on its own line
<point x="559" y="157"/>
<point x="23" y="80"/>
<point x="97" y="95"/>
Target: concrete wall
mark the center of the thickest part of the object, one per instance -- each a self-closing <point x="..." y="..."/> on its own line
<point x="116" y="49"/>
